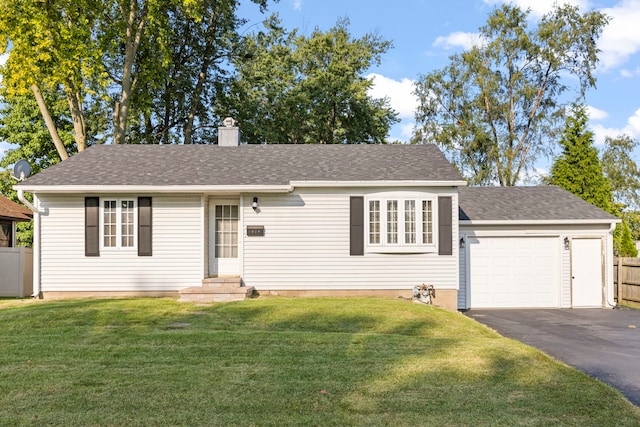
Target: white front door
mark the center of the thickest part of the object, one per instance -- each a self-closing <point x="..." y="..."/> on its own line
<point x="224" y="226"/>
<point x="586" y="272"/>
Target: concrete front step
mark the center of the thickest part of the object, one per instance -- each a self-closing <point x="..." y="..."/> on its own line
<point x="217" y="289"/>
<point x="222" y="282"/>
<point x="200" y="294"/>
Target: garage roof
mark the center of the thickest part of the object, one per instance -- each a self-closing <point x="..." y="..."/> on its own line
<point x="526" y="204"/>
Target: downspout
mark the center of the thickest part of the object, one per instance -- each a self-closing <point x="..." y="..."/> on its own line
<point x="36" y="242"/>
<point x="612" y="227"/>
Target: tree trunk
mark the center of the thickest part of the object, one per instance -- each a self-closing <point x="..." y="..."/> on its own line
<point x="132" y="43"/>
<point x="51" y="127"/>
<point x="204" y="68"/>
<point x="79" y="128"/>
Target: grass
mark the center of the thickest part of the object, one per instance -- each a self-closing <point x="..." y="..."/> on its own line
<point x="278" y="361"/>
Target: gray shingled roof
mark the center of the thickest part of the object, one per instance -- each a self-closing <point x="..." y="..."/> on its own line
<point x="159" y="165"/>
<point x="525" y="204"/>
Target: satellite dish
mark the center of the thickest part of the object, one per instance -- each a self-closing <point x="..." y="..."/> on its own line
<point x="21" y="170"/>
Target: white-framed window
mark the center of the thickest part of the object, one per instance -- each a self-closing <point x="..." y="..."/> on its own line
<point x="118" y="228"/>
<point x="400" y="223"/>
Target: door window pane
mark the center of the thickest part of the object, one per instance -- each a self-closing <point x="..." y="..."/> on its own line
<point x="226" y="231"/>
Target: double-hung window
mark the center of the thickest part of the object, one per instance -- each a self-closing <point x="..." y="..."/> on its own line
<point x="400" y="224"/>
<point x="118" y="223"/>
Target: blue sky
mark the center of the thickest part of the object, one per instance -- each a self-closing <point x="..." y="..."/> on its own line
<point x="425" y="33"/>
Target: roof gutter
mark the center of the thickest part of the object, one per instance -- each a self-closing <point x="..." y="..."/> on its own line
<point x="612" y="222"/>
<point x="26" y="202"/>
<point x="36" y="241"/>
<point x="380" y="183"/>
<point x="182" y="189"/>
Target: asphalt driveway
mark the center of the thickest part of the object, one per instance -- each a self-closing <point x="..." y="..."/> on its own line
<point x="603" y="343"/>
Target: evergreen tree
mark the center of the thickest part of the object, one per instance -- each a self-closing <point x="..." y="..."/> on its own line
<point x="579" y="170"/>
<point x="623" y="242"/>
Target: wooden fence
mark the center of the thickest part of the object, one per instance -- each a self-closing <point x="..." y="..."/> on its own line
<point x="626" y="279"/>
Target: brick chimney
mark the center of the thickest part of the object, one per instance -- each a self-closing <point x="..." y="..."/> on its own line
<point x="229" y="134"/>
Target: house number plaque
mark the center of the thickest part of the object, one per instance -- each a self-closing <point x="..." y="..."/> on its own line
<point x="255" y="230"/>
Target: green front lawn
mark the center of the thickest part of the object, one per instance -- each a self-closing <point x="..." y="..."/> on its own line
<point x="278" y="361"/>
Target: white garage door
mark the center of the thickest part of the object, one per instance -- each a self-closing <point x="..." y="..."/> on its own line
<point x="518" y="272"/>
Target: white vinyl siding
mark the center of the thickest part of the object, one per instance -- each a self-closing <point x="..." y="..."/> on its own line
<point x="178" y="249"/>
<point x="306" y="246"/>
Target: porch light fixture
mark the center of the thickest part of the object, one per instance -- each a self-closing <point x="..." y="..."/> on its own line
<point x="254" y="205"/>
<point x="566" y="244"/>
<point x="462" y="242"/>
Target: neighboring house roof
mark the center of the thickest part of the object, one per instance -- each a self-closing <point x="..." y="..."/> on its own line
<point x="245" y="165"/>
<point x="13" y="211"/>
<point x="526" y="204"/>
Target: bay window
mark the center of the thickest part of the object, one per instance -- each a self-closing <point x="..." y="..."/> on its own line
<point x="400" y="223"/>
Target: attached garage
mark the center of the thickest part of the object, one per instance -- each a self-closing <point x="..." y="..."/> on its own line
<point x="510" y="272"/>
<point x="533" y="247"/>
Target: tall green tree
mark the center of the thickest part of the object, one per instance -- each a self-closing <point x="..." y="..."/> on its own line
<point x="151" y="65"/>
<point x="167" y="60"/>
<point x="497" y="107"/>
<point x="578" y="169"/>
<point x="621" y="170"/>
<point x="298" y="89"/>
<point x="624" y="176"/>
<point x="52" y="47"/>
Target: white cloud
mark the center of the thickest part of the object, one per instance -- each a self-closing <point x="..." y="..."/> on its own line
<point x="458" y="39"/>
<point x="533" y="176"/>
<point x="297" y="4"/>
<point x="596" y="114"/>
<point x="406" y="130"/>
<point x="540" y="7"/>
<point x="632" y="128"/>
<point x="621" y="38"/>
<point x="629" y="74"/>
<point x="399" y="93"/>
<point x="3" y="148"/>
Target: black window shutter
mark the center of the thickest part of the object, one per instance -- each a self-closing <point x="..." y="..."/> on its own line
<point x="444" y="226"/>
<point x="92" y="226"/>
<point x="144" y="227"/>
<point x="356" y="226"/>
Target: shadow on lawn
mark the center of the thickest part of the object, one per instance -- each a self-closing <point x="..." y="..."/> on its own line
<point x="278" y="361"/>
